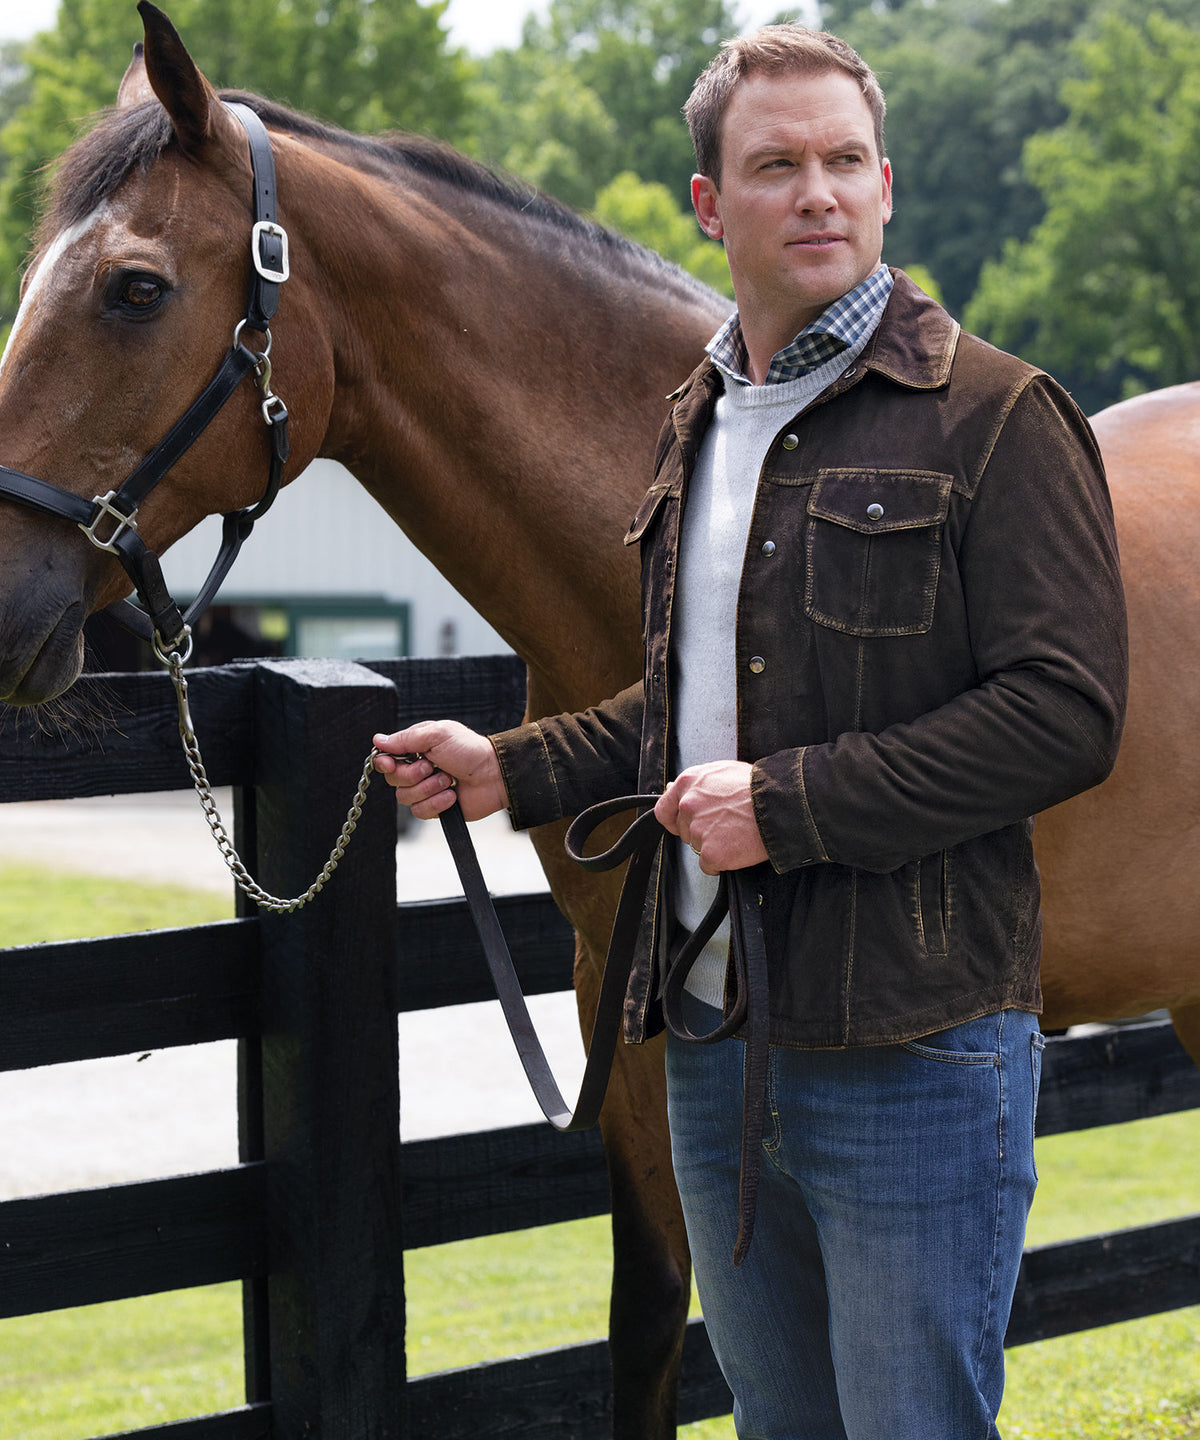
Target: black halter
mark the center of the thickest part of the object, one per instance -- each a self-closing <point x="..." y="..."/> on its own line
<point x="110" y="521"/>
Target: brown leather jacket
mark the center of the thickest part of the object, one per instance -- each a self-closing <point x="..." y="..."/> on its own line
<point x="931" y="649"/>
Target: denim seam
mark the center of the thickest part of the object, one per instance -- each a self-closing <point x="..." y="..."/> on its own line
<point x="951" y="1057"/>
<point x="1037" y="1045"/>
<point x="989" y="1308"/>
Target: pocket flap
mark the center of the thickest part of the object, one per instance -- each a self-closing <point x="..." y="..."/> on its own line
<point x="647" y="511"/>
<point x="874" y="501"/>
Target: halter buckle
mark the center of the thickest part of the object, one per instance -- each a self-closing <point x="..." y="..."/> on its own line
<point x="276" y="275"/>
<point x="104" y="506"/>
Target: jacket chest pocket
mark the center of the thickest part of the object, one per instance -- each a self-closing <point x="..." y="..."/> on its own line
<point x="873" y="550"/>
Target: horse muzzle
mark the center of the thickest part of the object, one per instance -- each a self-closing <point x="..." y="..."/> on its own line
<point x="41" y="645"/>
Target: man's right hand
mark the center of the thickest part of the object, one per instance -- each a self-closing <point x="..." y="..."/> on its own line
<point x="452" y="761"/>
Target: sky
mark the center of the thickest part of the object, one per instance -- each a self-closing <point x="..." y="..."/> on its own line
<point x="477" y="25"/>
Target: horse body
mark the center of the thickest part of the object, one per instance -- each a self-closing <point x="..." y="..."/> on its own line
<point x="494" y="371"/>
<point x="1119" y="863"/>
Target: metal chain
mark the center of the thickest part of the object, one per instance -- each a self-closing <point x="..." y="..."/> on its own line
<point x="191" y="749"/>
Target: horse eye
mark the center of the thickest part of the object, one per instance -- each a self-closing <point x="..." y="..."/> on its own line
<point x="140" y="294"/>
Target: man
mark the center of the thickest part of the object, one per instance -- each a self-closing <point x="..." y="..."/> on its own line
<point x="884" y="626"/>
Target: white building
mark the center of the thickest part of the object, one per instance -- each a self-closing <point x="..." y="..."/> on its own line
<point x="327" y="573"/>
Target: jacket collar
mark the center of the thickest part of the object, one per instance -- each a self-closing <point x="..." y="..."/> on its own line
<point x="915" y="340"/>
<point x="913" y="344"/>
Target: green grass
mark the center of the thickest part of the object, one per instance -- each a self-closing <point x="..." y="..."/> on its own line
<point x="37" y="904"/>
<point x="104" y="1368"/>
<point x="77" y="1373"/>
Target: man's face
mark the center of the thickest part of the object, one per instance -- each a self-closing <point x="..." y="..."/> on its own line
<point x="803" y="197"/>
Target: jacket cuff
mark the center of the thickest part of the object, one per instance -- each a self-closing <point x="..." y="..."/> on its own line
<point x="782" y="812"/>
<point x="528" y="776"/>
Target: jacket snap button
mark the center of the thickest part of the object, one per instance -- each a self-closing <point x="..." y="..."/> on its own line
<point x="789" y="442"/>
<point x="875" y="512"/>
<point x="757" y="664"/>
<point x="768" y="547"/>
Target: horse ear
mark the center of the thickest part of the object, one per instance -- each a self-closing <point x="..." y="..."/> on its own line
<point x="196" y="112"/>
<point x="135" y="85"/>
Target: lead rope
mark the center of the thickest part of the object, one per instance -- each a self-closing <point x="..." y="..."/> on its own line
<point x="191" y="750"/>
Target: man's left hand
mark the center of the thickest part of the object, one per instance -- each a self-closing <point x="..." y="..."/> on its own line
<point x="709" y="808"/>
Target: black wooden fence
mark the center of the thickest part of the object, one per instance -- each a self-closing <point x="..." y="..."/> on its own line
<point x="315" y="1218"/>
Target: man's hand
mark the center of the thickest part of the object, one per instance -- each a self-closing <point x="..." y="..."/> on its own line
<point x="709" y="808"/>
<point x="453" y="762"/>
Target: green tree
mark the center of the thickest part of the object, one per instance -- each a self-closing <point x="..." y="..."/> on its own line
<point x="630" y="64"/>
<point x="363" y="64"/>
<point x="1106" y="290"/>
<point x="967" y="82"/>
<point x="533" y="117"/>
<point x="647" y="213"/>
<point x="641" y="57"/>
<point x="15" y="81"/>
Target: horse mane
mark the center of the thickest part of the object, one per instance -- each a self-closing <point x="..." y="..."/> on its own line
<point x="125" y="141"/>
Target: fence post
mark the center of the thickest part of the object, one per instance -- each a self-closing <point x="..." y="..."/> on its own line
<point x="333" y="1326"/>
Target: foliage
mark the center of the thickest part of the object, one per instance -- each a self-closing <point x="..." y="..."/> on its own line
<point x="357" y="63"/>
<point x="15" y="81"/>
<point x="967" y="81"/>
<point x="647" y="213"/>
<point x="587" y="107"/>
<point x="1106" y="290"/>
<point x="637" y="58"/>
<point x="532" y="117"/>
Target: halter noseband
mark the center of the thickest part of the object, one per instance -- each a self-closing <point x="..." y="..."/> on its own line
<point x="110" y="521"/>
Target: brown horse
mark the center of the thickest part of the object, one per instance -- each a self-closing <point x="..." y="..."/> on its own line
<point x="493" y="370"/>
<point x="1120" y="863"/>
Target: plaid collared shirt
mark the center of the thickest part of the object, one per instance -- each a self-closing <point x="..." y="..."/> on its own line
<point x="834" y="330"/>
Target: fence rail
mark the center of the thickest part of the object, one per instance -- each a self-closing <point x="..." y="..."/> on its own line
<point x="315" y="1217"/>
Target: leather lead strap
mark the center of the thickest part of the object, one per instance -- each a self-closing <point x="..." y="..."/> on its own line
<point x="606" y="1025"/>
<point x="639" y="844"/>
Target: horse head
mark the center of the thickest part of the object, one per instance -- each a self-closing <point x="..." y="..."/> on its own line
<point x="138" y="282"/>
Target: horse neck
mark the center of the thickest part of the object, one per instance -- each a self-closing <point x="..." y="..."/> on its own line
<point x="498" y="387"/>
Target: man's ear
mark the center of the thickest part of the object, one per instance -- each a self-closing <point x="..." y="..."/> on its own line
<point x="706" y="202"/>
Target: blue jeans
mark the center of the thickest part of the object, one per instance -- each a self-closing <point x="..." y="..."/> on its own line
<point x="896" y="1182"/>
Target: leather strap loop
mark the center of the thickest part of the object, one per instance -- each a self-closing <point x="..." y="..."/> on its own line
<point x="605" y="1027"/>
<point x="639" y="844"/>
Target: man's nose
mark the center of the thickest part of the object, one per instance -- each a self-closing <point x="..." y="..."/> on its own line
<point x="814" y="193"/>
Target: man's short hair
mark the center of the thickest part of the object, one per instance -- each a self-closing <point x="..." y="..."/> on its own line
<point x="771" y="50"/>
